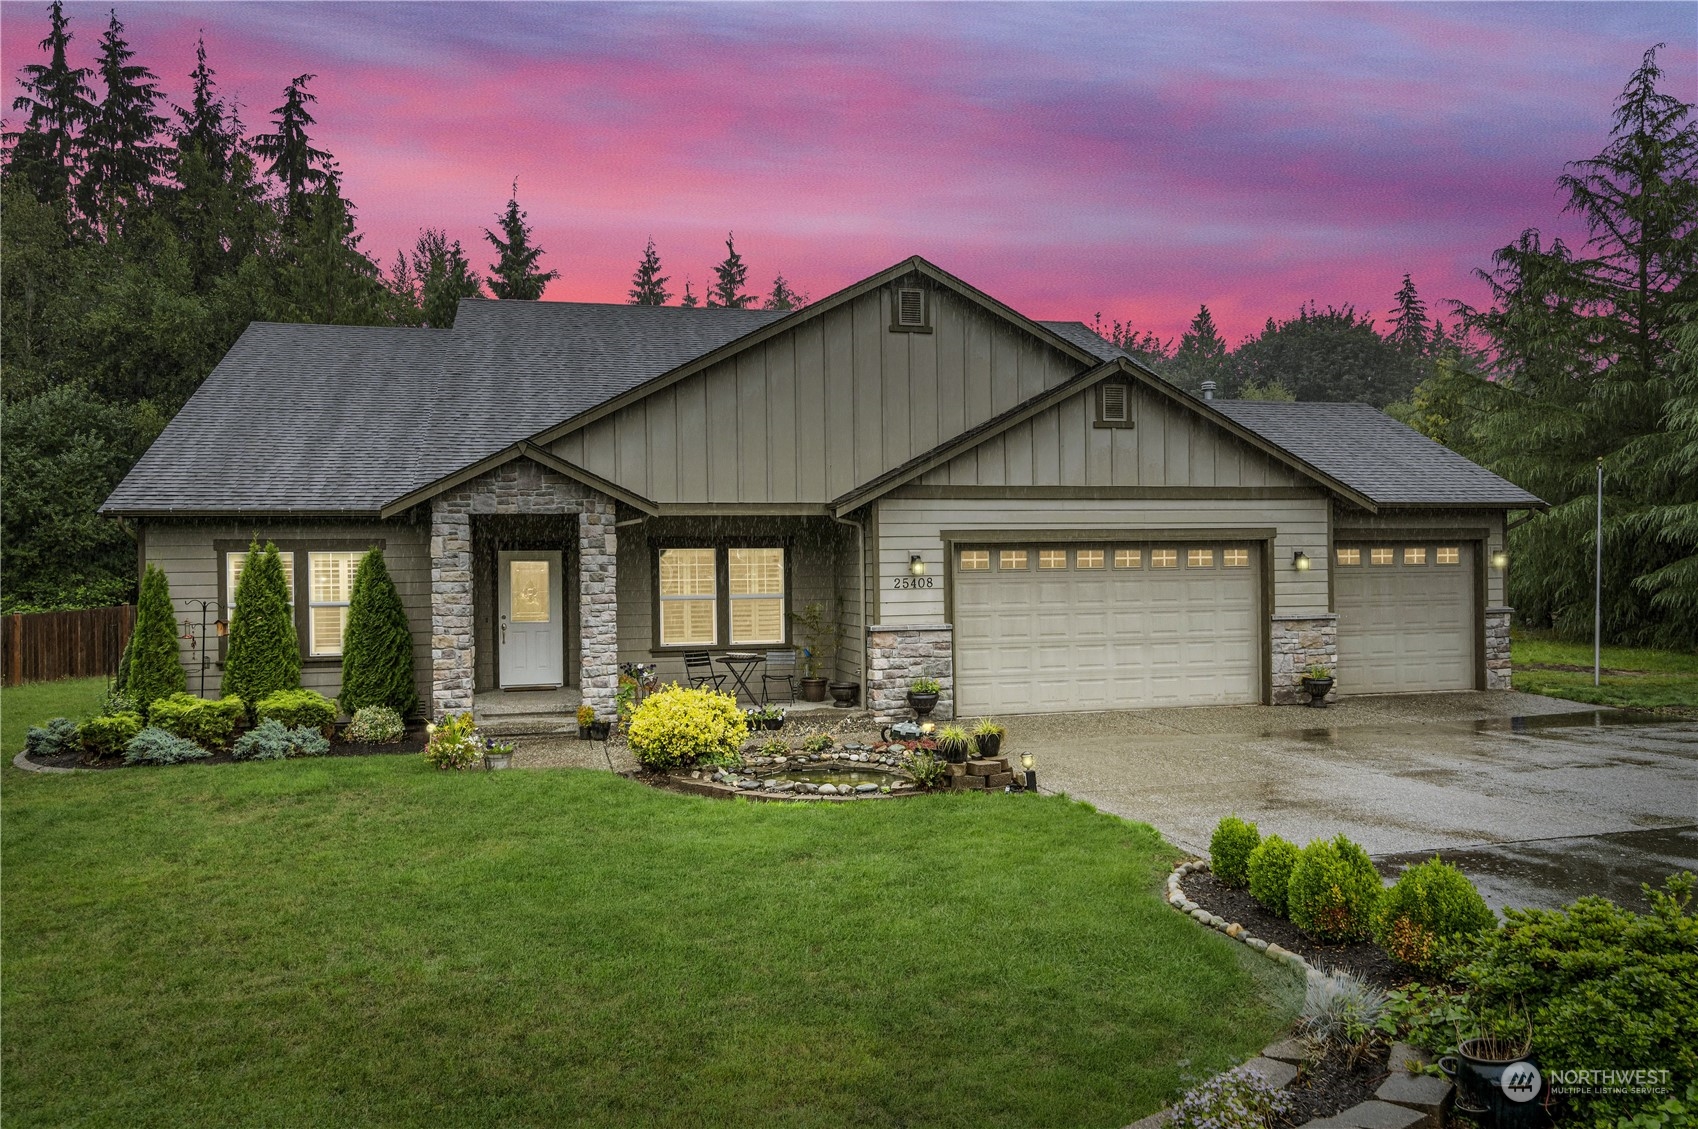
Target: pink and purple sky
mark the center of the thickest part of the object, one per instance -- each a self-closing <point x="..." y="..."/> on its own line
<point x="1131" y="158"/>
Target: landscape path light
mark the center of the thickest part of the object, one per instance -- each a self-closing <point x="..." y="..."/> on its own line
<point x="1026" y="760"/>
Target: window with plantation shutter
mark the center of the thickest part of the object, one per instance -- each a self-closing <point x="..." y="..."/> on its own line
<point x="331" y="589"/>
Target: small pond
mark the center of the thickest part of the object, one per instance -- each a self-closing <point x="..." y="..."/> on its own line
<point x="838" y="774"/>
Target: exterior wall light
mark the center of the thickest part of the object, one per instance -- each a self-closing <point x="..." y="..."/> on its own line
<point x="1500" y="559"/>
<point x="1300" y="561"/>
<point x="1031" y="777"/>
<point x="916" y="565"/>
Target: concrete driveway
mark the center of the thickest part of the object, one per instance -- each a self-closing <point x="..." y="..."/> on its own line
<point x="1496" y="773"/>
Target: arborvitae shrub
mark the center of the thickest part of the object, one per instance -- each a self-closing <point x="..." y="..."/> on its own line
<point x="1270" y="873"/>
<point x="1334" y="891"/>
<point x="1426" y="910"/>
<point x="154" y="669"/>
<point x="377" y="648"/>
<point x="1229" y="850"/>
<point x="264" y="654"/>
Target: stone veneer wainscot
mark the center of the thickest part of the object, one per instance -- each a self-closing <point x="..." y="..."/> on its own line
<point x="1497" y="648"/>
<point x="898" y="654"/>
<point x="1299" y="642"/>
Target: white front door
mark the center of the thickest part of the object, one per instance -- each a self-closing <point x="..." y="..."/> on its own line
<point x="531" y="619"/>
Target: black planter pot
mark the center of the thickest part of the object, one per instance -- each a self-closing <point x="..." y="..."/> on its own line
<point x="843" y="694"/>
<point x="955" y="752"/>
<point x="772" y="723"/>
<point x="1317" y="689"/>
<point x="989" y="744"/>
<point x="1482" y="1087"/>
<point x="813" y="689"/>
<point x="595" y="731"/>
<point x="921" y="704"/>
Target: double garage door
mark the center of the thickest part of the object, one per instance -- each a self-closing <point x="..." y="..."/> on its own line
<point x="1406" y="616"/>
<point x="1055" y="628"/>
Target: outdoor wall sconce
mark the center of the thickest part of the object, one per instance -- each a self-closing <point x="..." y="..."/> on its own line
<point x="1300" y="561"/>
<point x="1031" y="777"/>
<point x="1500" y="559"/>
<point x="916" y="565"/>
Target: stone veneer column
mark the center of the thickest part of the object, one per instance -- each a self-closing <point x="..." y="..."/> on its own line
<point x="898" y="654"/>
<point x="598" y="606"/>
<point x="1498" y="673"/>
<point x="451" y="648"/>
<point x="1298" y="642"/>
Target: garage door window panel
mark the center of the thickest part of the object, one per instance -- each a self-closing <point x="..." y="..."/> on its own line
<point x="1164" y="558"/>
<point x="1088" y="559"/>
<point x="1052" y="558"/>
<point x="1381" y="556"/>
<point x="1448" y="556"/>
<point x="1011" y="560"/>
<point x="1415" y="555"/>
<point x="1128" y="558"/>
<point x="1350" y="558"/>
<point x="975" y="560"/>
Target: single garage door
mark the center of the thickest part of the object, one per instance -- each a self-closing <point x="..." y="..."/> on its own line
<point x="1406" y="617"/>
<point x="1047" y="628"/>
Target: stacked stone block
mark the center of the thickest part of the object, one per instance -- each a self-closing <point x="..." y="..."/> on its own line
<point x="1498" y="674"/>
<point x="1300" y="641"/>
<point x="896" y="655"/>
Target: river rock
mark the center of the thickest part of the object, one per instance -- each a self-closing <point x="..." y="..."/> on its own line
<point x="828" y="789"/>
<point x="864" y="788"/>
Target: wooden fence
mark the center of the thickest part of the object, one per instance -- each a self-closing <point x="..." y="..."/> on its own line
<point x="44" y="646"/>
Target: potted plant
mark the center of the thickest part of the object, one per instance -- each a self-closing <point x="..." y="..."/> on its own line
<point x="497" y="754"/>
<point x="844" y="694"/>
<point x="765" y="717"/>
<point x="1478" y="1069"/>
<point x="1317" y="683"/>
<point x="988" y="735"/>
<point x="955" y="743"/>
<point x="819" y="643"/>
<point x="922" y="695"/>
<point x="586" y="718"/>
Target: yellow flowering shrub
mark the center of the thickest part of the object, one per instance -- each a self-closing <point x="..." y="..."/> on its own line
<point x="676" y="727"/>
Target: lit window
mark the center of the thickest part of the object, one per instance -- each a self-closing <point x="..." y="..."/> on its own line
<point x="975" y="560"/>
<point x="1379" y="556"/>
<point x="1088" y="558"/>
<point x="327" y="606"/>
<point x="1350" y="556"/>
<point x="1128" y="558"/>
<point x="1199" y="558"/>
<point x="757" y="595"/>
<point x="688" y="609"/>
<point x="1235" y="558"/>
<point x="1415" y="556"/>
<point x="1164" y="558"/>
<point x="233" y="566"/>
<point x="1012" y="558"/>
<point x="1448" y="556"/>
<point x="1052" y="558"/>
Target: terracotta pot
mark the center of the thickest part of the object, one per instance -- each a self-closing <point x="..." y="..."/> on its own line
<point x="813" y="689"/>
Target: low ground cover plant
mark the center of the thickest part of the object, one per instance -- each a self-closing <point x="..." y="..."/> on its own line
<point x="154" y="745"/>
<point x="207" y="722"/>
<point x="928" y="771"/>
<point x="298" y="707"/>
<point x="1229" y="850"/>
<point x="376" y="725"/>
<point x="51" y="738"/>
<point x="1426" y="911"/>
<point x="1269" y="872"/>
<point x="107" y="735"/>
<point x="1341" y="1012"/>
<point x="1238" y="1099"/>
<point x="1334" y="891"/>
<point x="271" y="740"/>
<point x="677" y="727"/>
<point x="818" y="743"/>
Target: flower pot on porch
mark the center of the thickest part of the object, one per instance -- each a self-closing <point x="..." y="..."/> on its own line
<point x="844" y="694"/>
<point x="1317" y="689"/>
<point x="813" y="689"/>
<point x="921" y="704"/>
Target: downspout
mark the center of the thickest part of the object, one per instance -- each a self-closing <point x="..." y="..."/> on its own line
<point x="861" y="571"/>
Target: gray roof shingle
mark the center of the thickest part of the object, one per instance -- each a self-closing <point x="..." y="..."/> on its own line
<point x="1374" y="454"/>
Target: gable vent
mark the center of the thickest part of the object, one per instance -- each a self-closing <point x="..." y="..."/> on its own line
<point x="910" y="307"/>
<point x="1114" y="403"/>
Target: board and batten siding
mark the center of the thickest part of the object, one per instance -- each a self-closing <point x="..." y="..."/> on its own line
<point x="813" y="412"/>
<point x="185" y="551"/>
<point x="1430" y="525"/>
<point x="909" y="525"/>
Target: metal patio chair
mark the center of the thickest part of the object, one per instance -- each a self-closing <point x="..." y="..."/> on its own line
<point x="698" y="668"/>
<point x="781" y="668"/>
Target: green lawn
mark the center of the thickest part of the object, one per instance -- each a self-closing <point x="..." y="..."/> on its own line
<point x="1635" y="677"/>
<point x="369" y="942"/>
<point x="35" y="702"/>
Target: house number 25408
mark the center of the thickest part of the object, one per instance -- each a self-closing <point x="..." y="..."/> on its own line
<point x="912" y="582"/>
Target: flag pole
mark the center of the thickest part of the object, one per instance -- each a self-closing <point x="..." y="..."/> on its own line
<point x="1598" y="583"/>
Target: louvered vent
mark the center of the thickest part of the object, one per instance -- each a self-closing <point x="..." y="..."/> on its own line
<point x="1114" y="403"/>
<point x="910" y="307"/>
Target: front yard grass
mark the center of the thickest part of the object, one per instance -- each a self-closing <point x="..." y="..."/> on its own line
<point x="36" y="702"/>
<point x="1632" y="677"/>
<point x="367" y="941"/>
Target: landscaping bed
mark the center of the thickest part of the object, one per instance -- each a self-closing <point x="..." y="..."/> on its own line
<point x="412" y="742"/>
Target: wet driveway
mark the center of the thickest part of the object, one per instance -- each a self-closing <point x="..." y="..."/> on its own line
<point x="1539" y="800"/>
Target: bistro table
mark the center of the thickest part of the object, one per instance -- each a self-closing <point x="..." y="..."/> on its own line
<point x="739" y="664"/>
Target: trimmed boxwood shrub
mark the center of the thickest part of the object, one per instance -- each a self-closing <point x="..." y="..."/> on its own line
<point x="205" y="722"/>
<point x="1426" y="910"/>
<point x="1229" y="850"/>
<point x="51" y="738"/>
<point x="377" y="647"/>
<point x="152" y="669"/>
<point x="155" y="746"/>
<point x="264" y="654"/>
<point x="107" y="736"/>
<point x="676" y="727"/>
<point x="1334" y="891"/>
<point x="298" y="707"/>
<point x="1270" y="873"/>
<point x="271" y="740"/>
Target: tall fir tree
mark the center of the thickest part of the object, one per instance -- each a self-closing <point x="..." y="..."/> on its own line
<point x="46" y="155"/>
<point x="153" y="668"/>
<point x="264" y="654"/>
<point x="689" y="301"/>
<point x="125" y="157"/>
<point x="377" y="645"/>
<point x="729" y="278"/>
<point x="444" y="277"/>
<point x="1201" y="355"/>
<point x="207" y="124"/>
<point x="784" y="296"/>
<point x="297" y="166"/>
<point x="327" y="278"/>
<point x="1408" y="326"/>
<point x="648" y="285"/>
<point x="514" y="274"/>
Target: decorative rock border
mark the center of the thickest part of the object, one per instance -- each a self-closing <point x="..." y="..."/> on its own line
<point x="22" y="761"/>
<point x="756" y="778"/>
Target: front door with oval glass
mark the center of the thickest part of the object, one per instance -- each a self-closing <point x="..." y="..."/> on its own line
<point x="531" y="618"/>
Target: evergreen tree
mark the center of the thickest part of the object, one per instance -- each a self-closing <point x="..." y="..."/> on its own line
<point x="377" y="646"/>
<point x="327" y="279"/>
<point x="125" y="158"/>
<point x="1331" y="354"/>
<point x="1410" y="330"/>
<point x="154" y="669"/>
<point x="783" y="297"/>
<point x="46" y="154"/>
<point x="1201" y="355"/>
<point x="298" y="166"/>
<point x="730" y="275"/>
<point x="514" y="273"/>
<point x="207" y="125"/>
<point x="648" y="285"/>
<point x="444" y="277"/>
<point x="689" y="301"/>
<point x="1146" y="348"/>
<point x="264" y="653"/>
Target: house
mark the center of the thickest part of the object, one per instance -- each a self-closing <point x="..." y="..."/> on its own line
<point x="1014" y="507"/>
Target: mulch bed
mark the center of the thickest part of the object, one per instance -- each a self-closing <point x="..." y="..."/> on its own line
<point x="412" y="742"/>
<point x="1332" y="1085"/>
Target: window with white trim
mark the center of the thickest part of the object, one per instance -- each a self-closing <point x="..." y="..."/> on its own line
<point x="1415" y="556"/>
<point x="689" y="607"/>
<point x="328" y="595"/>
<point x="233" y="563"/>
<point x="757" y="595"/>
<point x="1379" y="556"/>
